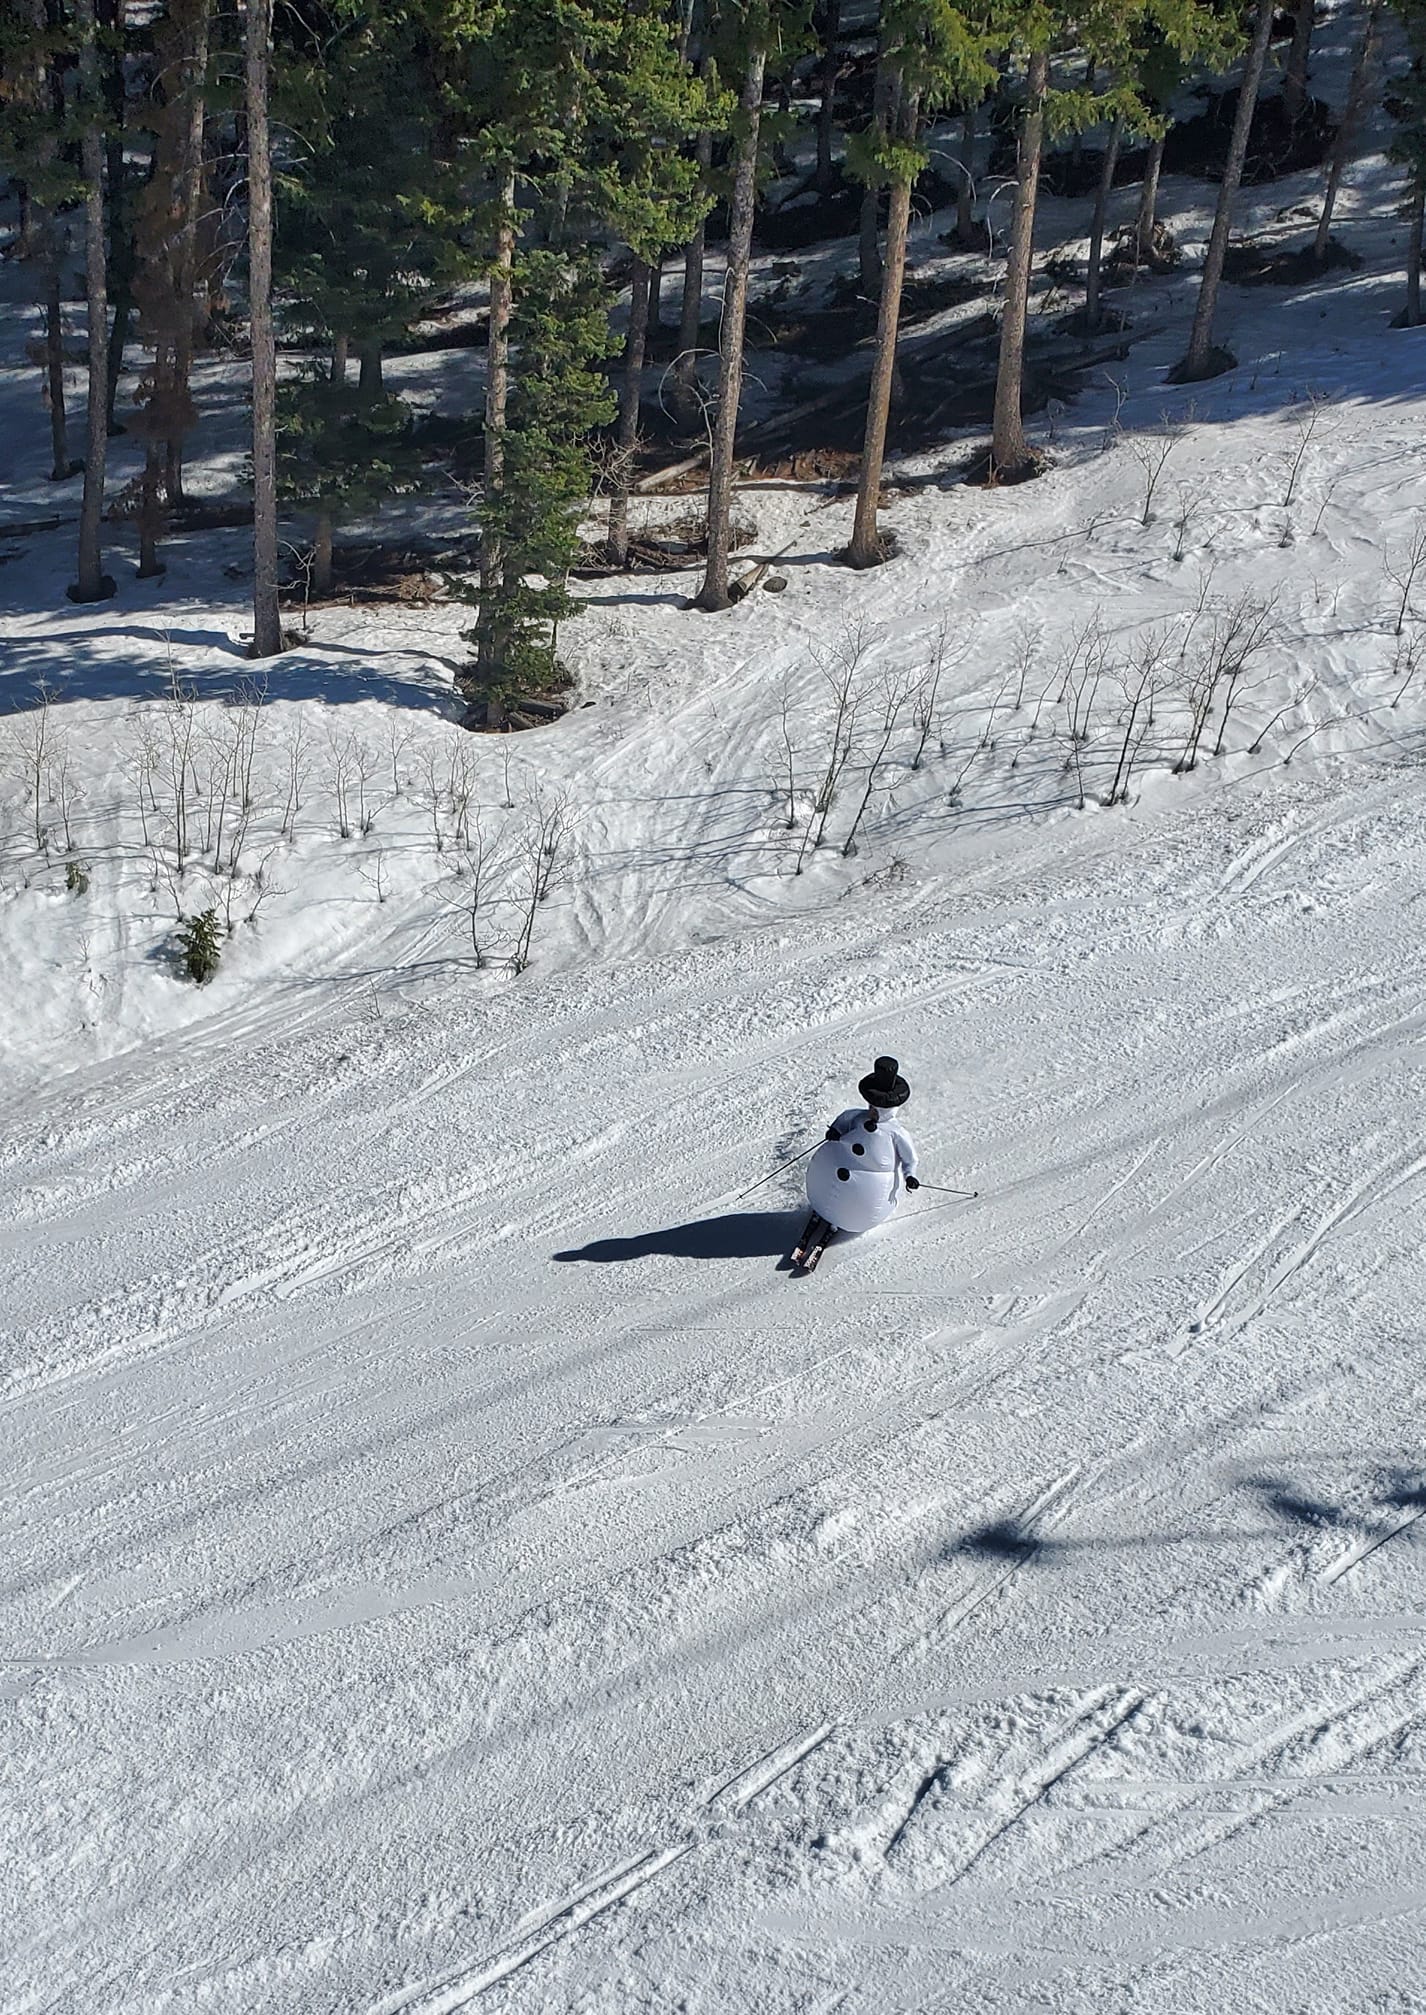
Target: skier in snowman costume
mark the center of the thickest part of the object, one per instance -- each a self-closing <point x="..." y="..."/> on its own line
<point x="855" y="1178"/>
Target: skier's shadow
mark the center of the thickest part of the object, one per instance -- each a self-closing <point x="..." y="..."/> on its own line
<point x="741" y="1234"/>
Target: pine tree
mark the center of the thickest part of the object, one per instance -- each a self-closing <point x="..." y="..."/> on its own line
<point x="200" y="941"/>
<point x="340" y="452"/>
<point x="93" y="584"/>
<point x="1201" y="360"/>
<point x="653" y="195"/>
<point x="371" y="216"/>
<point x="1010" y="453"/>
<point x="267" y="621"/>
<point x="829" y="30"/>
<point x="164" y="286"/>
<point x="36" y="150"/>
<point x="690" y="320"/>
<point x="559" y="330"/>
<point x="1294" y="83"/>
<point x="1113" y="35"/>
<point x="930" y="54"/>
<point x="573" y="115"/>
<point x="1406" y="103"/>
<point x="1347" y="128"/>
<point x="714" y="593"/>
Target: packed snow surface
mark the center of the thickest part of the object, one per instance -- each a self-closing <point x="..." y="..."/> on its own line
<point x="447" y="1562"/>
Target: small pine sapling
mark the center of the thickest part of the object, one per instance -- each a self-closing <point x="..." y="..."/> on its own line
<point x="200" y="942"/>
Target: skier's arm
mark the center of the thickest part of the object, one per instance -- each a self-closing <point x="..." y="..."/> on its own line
<point x="905" y="1150"/>
<point x="844" y="1122"/>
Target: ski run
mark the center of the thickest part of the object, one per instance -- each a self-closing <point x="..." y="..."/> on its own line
<point x="447" y="1563"/>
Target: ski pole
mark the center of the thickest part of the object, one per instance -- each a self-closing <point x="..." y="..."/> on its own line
<point x="940" y="1187"/>
<point x="776" y="1171"/>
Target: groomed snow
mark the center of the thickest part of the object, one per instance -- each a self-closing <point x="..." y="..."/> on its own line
<point x="447" y="1565"/>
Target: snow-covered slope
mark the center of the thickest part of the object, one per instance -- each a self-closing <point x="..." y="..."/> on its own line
<point x="445" y="1552"/>
<point x="447" y="1563"/>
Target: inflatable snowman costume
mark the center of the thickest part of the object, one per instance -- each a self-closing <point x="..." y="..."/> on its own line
<point x="854" y="1179"/>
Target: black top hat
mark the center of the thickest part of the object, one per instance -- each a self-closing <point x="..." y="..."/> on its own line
<point x="884" y="1088"/>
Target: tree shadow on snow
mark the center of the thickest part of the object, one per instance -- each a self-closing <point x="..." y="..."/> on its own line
<point x="741" y="1234"/>
<point x="1013" y="1542"/>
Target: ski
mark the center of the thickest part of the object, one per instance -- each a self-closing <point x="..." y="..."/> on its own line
<point x="814" y="1241"/>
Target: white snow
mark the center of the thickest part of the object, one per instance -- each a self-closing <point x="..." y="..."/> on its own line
<point x="447" y="1565"/>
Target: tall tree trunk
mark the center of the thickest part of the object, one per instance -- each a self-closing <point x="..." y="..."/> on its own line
<point x="1091" y="72"/>
<point x="193" y="178"/>
<point x="965" y="188"/>
<point x="1411" y="319"/>
<point x="497" y="395"/>
<point x="150" y="513"/>
<point x="267" y="619"/>
<point x="122" y="253"/>
<point x="655" y="314"/>
<point x="827" y="111"/>
<point x="371" y="384"/>
<point x="54" y="358"/>
<point x="1149" y="199"/>
<point x="322" y="555"/>
<point x="1009" y="449"/>
<point x="865" y="549"/>
<point x="868" y="231"/>
<point x="714" y="592"/>
<point x="1093" y="312"/>
<point x="121" y="271"/>
<point x="690" y="321"/>
<point x="93" y="585"/>
<point x="1294" y="87"/>
<point x="1197" y="360"/>
<point x="1347" y="131"/>
<point x="626" y="438"/>
<point x="25" y="233"/>
<point x="341" y="350"/>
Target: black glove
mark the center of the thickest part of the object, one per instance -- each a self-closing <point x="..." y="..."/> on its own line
<point x="832" y="1133"/>
<point x="911" y="1182"/>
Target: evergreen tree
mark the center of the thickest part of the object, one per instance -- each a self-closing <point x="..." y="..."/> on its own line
<point x="93" y="584"/>
<point x="267" y="620"/>
<point x="1009" y="449"/>
<point x="714" y="593"/>
<point x="690" y="321"/>
<point x="930" y="54"/>
<point x="165" y="276"/>
<point x="370" y="216"/>
<point x="570" y="106"/>
<point x="559" y="330"/>
<point x="37" y="150"/>
<point x="753" y="31"/>
<point x="1347" y="127"/>
<point x="1112" y="33"/>
<point x="654" y="196"/>
<point x="1201" y="360"/>
<point x="340" y="452"/>
<point x="1406" y="103"/>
